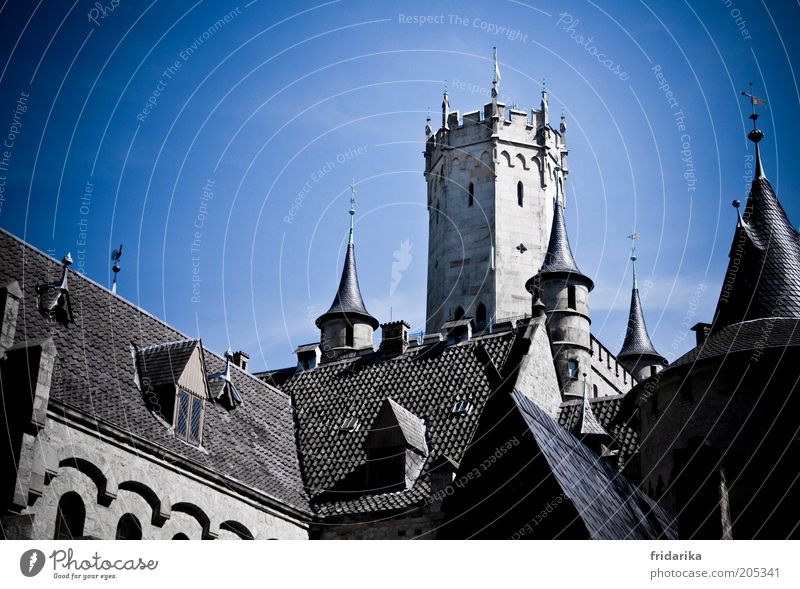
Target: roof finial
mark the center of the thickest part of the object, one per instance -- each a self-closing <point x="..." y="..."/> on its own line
<point x="445" y="107"/>
<point x="115" y="256"/>
<point x="496" y="79"/>
<point x="352" y="208"/>
<point x="756" y="135"/>
<point x="633" y="237"/>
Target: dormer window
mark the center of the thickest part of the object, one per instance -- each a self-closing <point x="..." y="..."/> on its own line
<point x="172" y="379"/>
<point x="189" y="417"/>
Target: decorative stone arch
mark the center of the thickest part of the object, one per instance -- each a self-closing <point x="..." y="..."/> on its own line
<point x="160" y="507"/>
<point x="100" y="475"/>
<point x="537" y="165"/>
<point x="486" y="161"/>
<point x="456" y="164"/>
<point x="520" y="159"/>
<point x="505" y="156"/>
<point x="197" y="513"/>
<point x="237" y="528"/>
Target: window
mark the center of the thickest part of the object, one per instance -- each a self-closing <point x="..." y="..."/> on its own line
<point x="348" y="335"/>
<point x="653" y="370"/>
<point x="180" y="536"/>
<point x="462" y="407"/>
<point x="572" y="368"/>
<point x="459" y="313"/>
<point x="571" y="296"/>
<point x="594" y="391"/>
<point x="480" y="315"/>
<point x="520" y="193"/>
<point x="70" y="517"/>
<point x="471" y="194"/>
<point x="129" y="528"/>
<point x="350" y="424"/>
<point x="189" y="417"/>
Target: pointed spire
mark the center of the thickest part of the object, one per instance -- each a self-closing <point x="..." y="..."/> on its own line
<point x="495" y="85"/>
<point x="544" y="106"/>
<point x="586" y="424"/>
<point x="445" y="107"/>
<point x="348" y="300"/>
<point x="428" y="125"/>
<point x="637" y="341"/>
<point x="66" y="262"/>
<point x="763" y="275"/>
<point x="352" y="209"/>
<point x="559" y="258"/>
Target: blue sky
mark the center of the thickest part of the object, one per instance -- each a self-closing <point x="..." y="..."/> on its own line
<point x="221" y="155"/>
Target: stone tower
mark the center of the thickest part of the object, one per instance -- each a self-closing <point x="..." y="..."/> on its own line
<point x="564" y="291"/>
<point x="491" y="186"/>
<point x="347" y="325"/>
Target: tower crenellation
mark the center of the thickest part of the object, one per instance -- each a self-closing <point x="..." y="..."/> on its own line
<point x="491" y="179"/>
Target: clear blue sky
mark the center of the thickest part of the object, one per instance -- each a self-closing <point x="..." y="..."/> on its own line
<point x="287" y="99"/>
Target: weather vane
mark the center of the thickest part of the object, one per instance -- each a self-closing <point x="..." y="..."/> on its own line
<point x="115" y="256"/>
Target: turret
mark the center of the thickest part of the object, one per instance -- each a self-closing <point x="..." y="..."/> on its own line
<point x="347" y="325"/>
<point x="638" y="355"/>
<point x="565" y="292"/>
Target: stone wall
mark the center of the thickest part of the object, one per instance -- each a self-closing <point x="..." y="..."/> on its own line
<point x="112" y="481"/>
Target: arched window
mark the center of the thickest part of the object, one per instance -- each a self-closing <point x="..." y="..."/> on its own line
<point x="459" y="313"/>
<point x="70" y="517"/>
<point x="180" y="536"/>
<point x="480" y="315"/>
<point x="471" y="194"/>
<point x="572" y="367"/>
<point x="520" y="194"/>
<point x="348" y="335"/>
<point x="594" y="390"/>
<point x="129" y="528"/>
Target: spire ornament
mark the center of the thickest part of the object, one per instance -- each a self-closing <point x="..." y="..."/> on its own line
<point x="352" y="210"/>
<point x="115" y="256"/>
<point x="756" y="135"/>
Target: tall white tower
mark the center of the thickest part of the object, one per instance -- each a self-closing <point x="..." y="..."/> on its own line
<point x="491" y="178"/>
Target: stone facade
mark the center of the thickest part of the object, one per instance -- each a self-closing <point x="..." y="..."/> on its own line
<point x="491" y="188"/>
<point x="112" y="480"/>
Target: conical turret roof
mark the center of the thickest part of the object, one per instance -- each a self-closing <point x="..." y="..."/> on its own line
<point x="559" y="258"/>
<point x="763" y="275"/>
<point x="637" y="340"/>
<point x="348" y="300"/>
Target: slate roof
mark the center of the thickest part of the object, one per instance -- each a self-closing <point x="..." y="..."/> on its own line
<point x="95" y="375"/>
<point x="749" y="336"/>
<point x="426" y="381"/>
<point x="625" y="435"/>
<point x="763" y="275"/>
<point x="611" y="507"/>
<point x="411" y="427"/>
<point x="637" y="341"/>
<point x="559" y="258"/>
<point x="164" y="363"/>
<point x="348" y="300"/>
<point x="586" y="423"/>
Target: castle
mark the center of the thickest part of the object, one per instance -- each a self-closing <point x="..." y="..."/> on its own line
<point x="507" y="419"/>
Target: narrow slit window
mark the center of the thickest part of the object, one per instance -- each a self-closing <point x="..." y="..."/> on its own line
<point x="520" y="194"/>
<point x="571" y="296"/>
<point x="471" y="194"/>
<point x="348" y="335"/>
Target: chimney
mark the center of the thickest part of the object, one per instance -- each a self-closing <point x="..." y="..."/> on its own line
<point x="458" y="330"/>
<point x="394" y="337"/>
<point x="308" y="356"/>
<point x="10" y="296"/>
<point x="241" y="359"/>
<point x="701" y="331"/>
